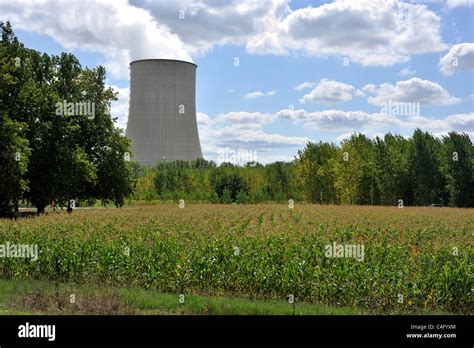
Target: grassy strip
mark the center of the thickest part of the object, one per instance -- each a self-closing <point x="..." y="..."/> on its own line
<point x="24" y="297"/>
<point x="40" y="297"/>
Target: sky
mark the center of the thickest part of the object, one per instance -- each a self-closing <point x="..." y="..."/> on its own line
<point x="273" y="75"/>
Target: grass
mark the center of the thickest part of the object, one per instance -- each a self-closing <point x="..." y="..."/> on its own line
<point x="261" y="252"/>
<point x="40" y="297"/>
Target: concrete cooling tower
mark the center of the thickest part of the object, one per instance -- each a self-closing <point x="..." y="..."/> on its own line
<point x="162" y="115"/>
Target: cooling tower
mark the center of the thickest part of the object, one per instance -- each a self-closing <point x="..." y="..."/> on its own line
<point x="162" y="115"/>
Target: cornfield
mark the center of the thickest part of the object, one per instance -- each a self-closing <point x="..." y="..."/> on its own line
<point x="415" y="258"/>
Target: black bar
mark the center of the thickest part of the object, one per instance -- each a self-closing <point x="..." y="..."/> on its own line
<point x="243" y="330"/>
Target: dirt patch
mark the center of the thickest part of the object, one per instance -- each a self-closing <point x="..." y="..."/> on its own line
<point x="98" y="304"/>
<point x="35" y="301"/>
<point x="81" y="303"/>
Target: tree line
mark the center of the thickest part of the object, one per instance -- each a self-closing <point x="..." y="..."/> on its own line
<point x="393" y="170"/>
<point x="52" y="148"/>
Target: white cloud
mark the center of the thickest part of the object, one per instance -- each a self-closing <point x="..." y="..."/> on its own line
<point x="253" y="95"/>
<point x="368" y="134"/>
<point x="329" y="92"/>
<point x="369" y="88"/>
<point x="459" y="57"/>
<point x="244" y="117"/>
<point x="461" y="122"/>
<point x="368" y="32"/>
<point x="406" y="72"/>
<point x="274" y="158"/>
<point x="414" y="90"/>
<point x="344" y="136"/>
<point x="203" y="119"/>
<point x="375" y="123"/>
<point x="459" y="3"/>
<point x="203" y="24"/>
<point x="305" y="85"/>
<point x="256" y="139"/>
<point x="258" y="94"/>
<point x="119" y="108"/>
<point x="241" y="131"/>
<point x="336" y="120"/>
<point x="116" y="29"/>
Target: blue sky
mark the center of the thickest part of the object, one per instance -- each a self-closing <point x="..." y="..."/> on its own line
<point x="355" y="57"/>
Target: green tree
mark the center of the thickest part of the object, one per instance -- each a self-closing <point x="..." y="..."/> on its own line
<point x="73" y="155"/>
<point x="14" y="153"/>
<point x="227" y="184"/>
<point x="172" y="180"/>
<point x="278" y="177"/>
<point x="457" y="161"/>
<point x="315" y="170"/>
<point x="391" y="166"/>
<point x="114" y="174"/>
<point x="356" y="171"/>
<point x="424" y="169"/>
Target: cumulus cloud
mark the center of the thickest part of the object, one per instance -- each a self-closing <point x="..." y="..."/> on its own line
<point x="329" y="92"/>
<point x="461" y="122"/>
<point x="242" y="131"/>
<point x="372" y="33"/>
<point x="202" y="24"/>
<point x="337" y="120"/>
<point x="459" y="57"/>
<point x="256" y="139"/>
<point x="116" y="29"/>
<point x="414" y="90"/>
<point x="375" y="123"/>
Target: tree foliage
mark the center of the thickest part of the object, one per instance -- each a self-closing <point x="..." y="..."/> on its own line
<point x="67" y="153"/>
<point x="421" y="170"/>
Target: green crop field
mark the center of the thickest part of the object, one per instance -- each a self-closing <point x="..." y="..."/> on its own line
<point x="414" y="259"/>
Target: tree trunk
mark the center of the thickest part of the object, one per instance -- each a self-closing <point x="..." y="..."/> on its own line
<point x="40" y="208"/>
